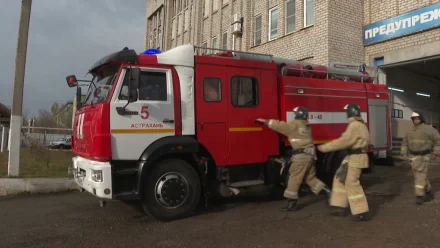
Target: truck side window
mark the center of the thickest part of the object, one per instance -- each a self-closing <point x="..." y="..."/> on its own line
<point x="212" y="91"/>
<point x="244" y="91"/>
<point x="153" y="86"/>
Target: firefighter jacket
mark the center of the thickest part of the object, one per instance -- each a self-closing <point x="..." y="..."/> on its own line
<point x="298" y="132"/>
<point x="421" y="138"/>
<point x="355" y="137"/>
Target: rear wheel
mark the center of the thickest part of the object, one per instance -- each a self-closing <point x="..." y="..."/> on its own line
<point x="172" y="190"/>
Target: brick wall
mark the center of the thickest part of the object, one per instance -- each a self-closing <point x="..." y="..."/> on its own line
<point x="345" y="31"/>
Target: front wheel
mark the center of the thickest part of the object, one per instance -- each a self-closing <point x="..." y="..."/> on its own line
<point x="172" y="190"/>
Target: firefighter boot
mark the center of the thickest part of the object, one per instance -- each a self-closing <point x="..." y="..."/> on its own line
<point x="327" y="192"/>
<point x="292" y="205"/>
<point x="420" y="200"/>
<point x="429" y="196"/>
<point x="338" y="211"/>
<point x="361" y="217"/>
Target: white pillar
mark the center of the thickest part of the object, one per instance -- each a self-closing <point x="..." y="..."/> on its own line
<point x="9" y="139"/>
<point x="4" y="140"/>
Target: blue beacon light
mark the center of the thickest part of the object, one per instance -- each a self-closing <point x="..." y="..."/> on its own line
<point x="151" y="51"/>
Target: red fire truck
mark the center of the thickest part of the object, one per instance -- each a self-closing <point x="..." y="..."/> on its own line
<point x="173" y="129"/>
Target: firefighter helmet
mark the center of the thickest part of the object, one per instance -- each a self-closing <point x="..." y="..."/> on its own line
<point x="352" y="110"/>
<point x="416" y="114"/>
<point x="301" y="113"/>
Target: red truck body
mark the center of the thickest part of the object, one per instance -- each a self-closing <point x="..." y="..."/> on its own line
<point x="210" y="147"/>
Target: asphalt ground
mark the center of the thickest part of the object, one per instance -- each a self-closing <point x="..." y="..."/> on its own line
<point x="75" y="220"/>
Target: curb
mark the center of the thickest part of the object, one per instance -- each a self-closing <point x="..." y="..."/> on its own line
<point x="13" y="186"/>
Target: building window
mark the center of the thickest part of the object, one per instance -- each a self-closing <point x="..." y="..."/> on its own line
<point x="257" y="32"/>
<point x="378" y="61"/>
<point x="214" y="5"/>
<point x="206" y="8"/>
<point x="244" y="91"/>
<point x="273" y="23"/>
<point x="309" y="12"/>
<point x="214" y="42"/>
<point x="212" y="91"/>
<point x="225" y="41"/>
<point x="205" y="45"/>
<point x="290" y="16"/>
<point x="174" y="7"/>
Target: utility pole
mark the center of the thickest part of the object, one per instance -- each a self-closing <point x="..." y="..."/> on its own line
<point x="17" y="97"/>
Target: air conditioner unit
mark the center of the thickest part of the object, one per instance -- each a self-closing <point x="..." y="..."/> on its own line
<point x="237" y="24"/>
<point x="236" y="18"/>
<point x="236" y="28"/>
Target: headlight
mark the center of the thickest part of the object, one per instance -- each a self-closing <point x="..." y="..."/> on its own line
<point x="97" y="175"/>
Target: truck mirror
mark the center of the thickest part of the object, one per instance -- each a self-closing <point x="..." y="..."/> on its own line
<point x="71" y="81"/>
<point x="133" y="95"/>
<point x="78" y="98"/>
<point x="134" y="84"/>
<point x="135" y="78"/>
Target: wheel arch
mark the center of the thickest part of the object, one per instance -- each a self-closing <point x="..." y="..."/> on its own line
<point x="186" y="148"/>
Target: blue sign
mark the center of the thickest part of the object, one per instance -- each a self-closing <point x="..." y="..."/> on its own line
<point x="413" y="21"/>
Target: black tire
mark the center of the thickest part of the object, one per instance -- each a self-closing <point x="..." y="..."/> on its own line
<point x="184" y="182"/>
<point x="332" y="162"/>
<point x="61" y="147"/>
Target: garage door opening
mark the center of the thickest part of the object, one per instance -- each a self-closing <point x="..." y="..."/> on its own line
<point x="413" y="86"/>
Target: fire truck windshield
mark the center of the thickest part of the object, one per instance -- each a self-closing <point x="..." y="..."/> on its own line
<point x="105" y="80"/>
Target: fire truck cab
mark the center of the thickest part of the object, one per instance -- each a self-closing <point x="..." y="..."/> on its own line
<point x="173" y="128"/>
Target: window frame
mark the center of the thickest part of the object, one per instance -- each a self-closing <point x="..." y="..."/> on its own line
<point x="286" y="17"/>
<point x="270" y="23"/>
<point x="305" y="13"/>
<point x="169" y="84"/>
<point x="216" y="42"/>
<point x="260" y="30"/>
<point x="256" y="94"/>
<point x="220" y="89"/>
<point x="225" y="45"/>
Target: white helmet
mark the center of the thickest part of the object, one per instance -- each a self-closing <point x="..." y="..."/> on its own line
<point x="417" y="115"/>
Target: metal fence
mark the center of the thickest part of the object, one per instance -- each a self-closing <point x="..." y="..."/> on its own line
<point x="40" y="135"/>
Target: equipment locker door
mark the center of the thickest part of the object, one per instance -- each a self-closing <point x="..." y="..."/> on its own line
<point x="211" y="110"/>
<point x="245" y="138"/>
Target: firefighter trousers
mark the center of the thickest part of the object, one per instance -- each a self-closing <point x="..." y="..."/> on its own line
<point x="350" y="194"/>
<point x="420" y="170"/>
<point x="302" y="169"/>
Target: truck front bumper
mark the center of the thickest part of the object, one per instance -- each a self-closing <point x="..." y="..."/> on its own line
<point x="93" y="176"/>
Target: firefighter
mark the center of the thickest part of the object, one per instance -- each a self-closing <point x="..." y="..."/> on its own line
<point x="347" y="190"/>
<point x="422" y="142"/>
<point x="302" y="166"/>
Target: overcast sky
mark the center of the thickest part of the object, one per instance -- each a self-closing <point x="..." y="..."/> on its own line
<point x="65" y="37"/>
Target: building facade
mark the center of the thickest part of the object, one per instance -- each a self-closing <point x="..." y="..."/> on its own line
<point x="318" y="31"/>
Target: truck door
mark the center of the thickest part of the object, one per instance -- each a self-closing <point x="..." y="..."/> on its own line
<point x="211" y="110"/>
<point x="244" y="137"/>
<point x="153" y="116"/>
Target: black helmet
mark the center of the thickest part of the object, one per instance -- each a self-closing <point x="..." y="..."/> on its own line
<point x="301" y="113"/>
<point x="419" y="115"/>
<point x="352" y="110"/>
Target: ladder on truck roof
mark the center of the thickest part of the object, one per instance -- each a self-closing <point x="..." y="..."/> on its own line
<point x="334" y="71"/>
